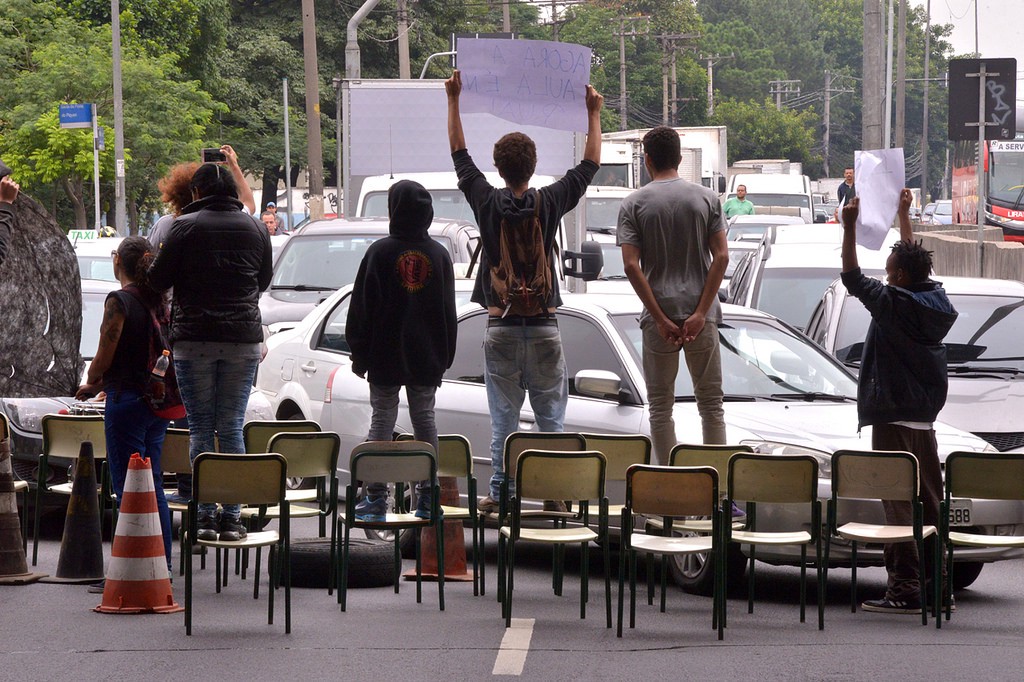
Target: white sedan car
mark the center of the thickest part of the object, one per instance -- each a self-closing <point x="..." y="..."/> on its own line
<point x="783" y="395"/>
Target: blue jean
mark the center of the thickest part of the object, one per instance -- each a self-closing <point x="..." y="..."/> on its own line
<point x="131" y="427"/>
<point x="215" y="392"/>
<point x="518" y="359"/>
<point x="384" y="403"/>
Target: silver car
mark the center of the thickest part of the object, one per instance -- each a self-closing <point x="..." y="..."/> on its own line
<point x="783" y="395"/>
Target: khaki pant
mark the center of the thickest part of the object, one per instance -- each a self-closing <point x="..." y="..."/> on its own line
<point x="661" y="365"/>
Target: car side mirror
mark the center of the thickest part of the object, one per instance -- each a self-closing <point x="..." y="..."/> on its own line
<point x="586" y="263"/>
<point x="598" y="383"/>
<point x="721" y="184"/>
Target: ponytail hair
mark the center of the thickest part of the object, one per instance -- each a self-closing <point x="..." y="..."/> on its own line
<point x="213" y="179"/>
<point x="136" y="256"/>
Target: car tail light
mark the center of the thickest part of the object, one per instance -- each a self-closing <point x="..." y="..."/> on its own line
<point x="330" y="384"/>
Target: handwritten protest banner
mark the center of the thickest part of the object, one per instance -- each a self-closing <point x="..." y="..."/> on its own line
<point x="880" y="175"/>
<point x="531" y="82"/>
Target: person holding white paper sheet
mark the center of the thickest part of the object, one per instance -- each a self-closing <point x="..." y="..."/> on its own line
<point x="902" y="385"/>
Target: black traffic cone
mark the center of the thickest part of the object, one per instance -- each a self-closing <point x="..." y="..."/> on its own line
<point x="13" y="565"/>
<point x="81" y="548"/>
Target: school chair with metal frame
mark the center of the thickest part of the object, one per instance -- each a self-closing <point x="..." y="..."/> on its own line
<point x="312" y="455"/>
<point x="671" y="493"/>
<point x="174" y="459"/>
<point x="515" y="444"/>
<point x="256" y="436"/>
<point x="63" y="435"/>
<point x="572" y="476"/>
<point x="455" y="460"/>
<point x="620" y="451"/>
<point x="250" y="479"/>
<point x="776" y="480"/>
<point x="879" y="475"/>
<point x="402" y="463"/>
<point x="978" y="476"/>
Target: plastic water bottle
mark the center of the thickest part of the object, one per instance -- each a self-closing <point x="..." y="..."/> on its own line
<point x="156" y="377"/>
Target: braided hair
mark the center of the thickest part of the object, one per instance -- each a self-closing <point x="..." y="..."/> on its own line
<point x="913" y="258"/>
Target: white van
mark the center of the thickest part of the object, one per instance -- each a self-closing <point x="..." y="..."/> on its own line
<point x="776" y="194"/>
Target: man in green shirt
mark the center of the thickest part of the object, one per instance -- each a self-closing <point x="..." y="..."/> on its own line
<point x="738" y="205"/>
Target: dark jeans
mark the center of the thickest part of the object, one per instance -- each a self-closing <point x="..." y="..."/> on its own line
<point x="384" y="403"/>
<point x="215" y="392"/>
<point x="901" y="560"/>
<point x="131" y="427"/>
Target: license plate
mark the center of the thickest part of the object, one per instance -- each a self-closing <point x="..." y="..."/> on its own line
<point x="960" y="512"/>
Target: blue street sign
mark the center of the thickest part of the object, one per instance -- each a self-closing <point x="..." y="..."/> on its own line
<point x="75" y="115"/>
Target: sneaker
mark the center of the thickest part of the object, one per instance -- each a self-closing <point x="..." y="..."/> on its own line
<point x="97" y="588"/>
<point x="886" y="605"/>
<point x="176" y="498"/>
<point x="372" y="509"/>
<point x="208" y="527"/>
<point x="487" y="505"/>
<point x="737" y="513"/>
<point x="423" y="507"/>
<point x="232" y="530"/>
<point x="556" y="506"/>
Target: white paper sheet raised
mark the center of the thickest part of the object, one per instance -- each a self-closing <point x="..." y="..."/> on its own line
<point x="879" y="176"/>
<point x="535" y="82"/>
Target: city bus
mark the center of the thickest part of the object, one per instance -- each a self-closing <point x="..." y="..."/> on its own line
<point x="1004" y="179"/>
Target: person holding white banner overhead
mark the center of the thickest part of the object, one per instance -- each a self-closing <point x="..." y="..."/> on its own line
<point x="902" y="385"/>
<point x="516" y="281"/>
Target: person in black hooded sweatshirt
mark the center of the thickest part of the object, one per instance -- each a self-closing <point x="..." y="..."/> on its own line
<point x="401" y="329"/>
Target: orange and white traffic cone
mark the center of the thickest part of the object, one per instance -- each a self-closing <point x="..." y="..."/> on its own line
<point x="137" y="579"/>
<point x="13" y="564"/>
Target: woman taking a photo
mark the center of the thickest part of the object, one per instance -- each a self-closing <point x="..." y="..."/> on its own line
<point x="218" y="259"/>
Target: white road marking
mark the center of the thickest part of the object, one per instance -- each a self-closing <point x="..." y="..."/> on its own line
<point x="514" y="647"/>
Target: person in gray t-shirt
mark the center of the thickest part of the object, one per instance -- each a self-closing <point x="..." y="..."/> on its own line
<point x="675" y="253"/>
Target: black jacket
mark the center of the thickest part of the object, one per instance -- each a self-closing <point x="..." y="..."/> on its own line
<point x="401" y="323"/>
<point x="490" y="204"/>
<point x="846" y="192"/>
<point x="903" y="374"/>
<point x="218" y="259"/>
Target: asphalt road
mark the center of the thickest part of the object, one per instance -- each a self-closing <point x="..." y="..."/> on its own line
<point x="49" y="632"/>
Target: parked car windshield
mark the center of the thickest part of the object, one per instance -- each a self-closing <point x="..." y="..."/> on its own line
<point x="791" y="293"/>
<point x="759" y="360"/>
<point x="603" y="213"/>
<point x="986" y="332"/>
<point x="325" y="262"/>
<point x="449" y="204"/>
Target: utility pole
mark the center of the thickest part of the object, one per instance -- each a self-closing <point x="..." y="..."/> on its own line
<point x="826" y="137"/>
<point x="621" y="34"/>
<point x="924" y="123"/>
<point x="887" y="122"/>
<point x="506" y="17"/>
<point x="314" y="145"/>
<point x="403" y="40"/>
<point x="901" y="75"/>
<point x="712" y="60"/>
<point x="790" y="88"/>
<point x="554" y="21"/>
<point x="120" y="205"/>
<point x="671" y="44"/>
<point x="287" y="157"/>
<point x="872" y="69"/>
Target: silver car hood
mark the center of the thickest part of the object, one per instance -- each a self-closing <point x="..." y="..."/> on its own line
<point x="821" y="426"/>
<point x="989" y="405"/>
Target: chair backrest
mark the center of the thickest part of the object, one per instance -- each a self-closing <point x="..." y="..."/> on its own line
<point x="560" y="475"/>
<point x="700" y="455"/>
<point x="5" y="427"/>
<point x="672" y="491"/>
<point x="874" y="475"/>
<point x="257" y="434"/>
<point x="454" y="455"/>
<point x="773" y="478"/>
<point x="63" y="435"/>
<point x="620" y="451"/>
<point x="519" y="441"/>
<point x="252" y="479"/>
<point x="985" y="475"/>
<point x="174" y="457"/>
<point x="393" y="461"/>
<point x="309" y="455"/>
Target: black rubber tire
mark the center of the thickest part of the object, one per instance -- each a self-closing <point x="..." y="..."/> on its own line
<point x="965" y="573"/>
<point x="371" y="562"/>
<point x="695" y="572"/>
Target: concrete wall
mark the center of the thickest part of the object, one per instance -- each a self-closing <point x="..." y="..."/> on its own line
<point x="955" y="251"/>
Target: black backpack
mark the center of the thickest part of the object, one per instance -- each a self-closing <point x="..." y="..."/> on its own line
<point x="522" y="276"/>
